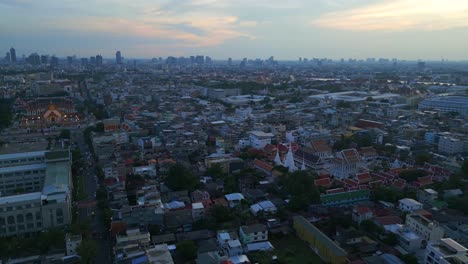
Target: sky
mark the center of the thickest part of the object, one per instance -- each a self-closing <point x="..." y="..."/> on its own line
<point x="285" y="29"/>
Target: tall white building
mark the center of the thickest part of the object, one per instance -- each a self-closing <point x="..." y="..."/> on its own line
<point x="446" y="104"/>
<point x="259" y="139"/>
<point x="450" y="145"/>
<point x="35" y="210"/>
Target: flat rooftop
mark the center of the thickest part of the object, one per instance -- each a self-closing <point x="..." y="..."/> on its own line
<point x="14" y="148"/>
<point x="20" y="198"/>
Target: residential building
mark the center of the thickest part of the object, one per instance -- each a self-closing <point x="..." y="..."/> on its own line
<point x="72" y="242"/>
<point x="234" y="248"/>
<point x="446" y="104"/>
<point x="409" y="240"/>
<point x="259" y="139"/>
<point x="253" y="233"/>
<point x="362" y="213"/>
<point x="234" y="199"/>
<point x="450" y="145"/>
<point x="445" y="251"/>
<point x="427" y="195"/>
<point x="428" y="230"/>
<point x="409" y="205"/>
<point x="198" y="211"/>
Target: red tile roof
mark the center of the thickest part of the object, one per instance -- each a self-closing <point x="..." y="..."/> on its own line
<point x="364" y="177"/>
<point x="350" y="182"/>
<point x="336" y="190"/>
<point x="423" y="181"/>
<point x="325" y="182"/>
<point x="388" y="220"/>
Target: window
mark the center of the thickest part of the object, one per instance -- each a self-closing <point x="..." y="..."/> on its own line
<point x="12" y="229"/>
<point x="30" y="226"/>
<point x="29" y="217"/>
<point x="11" y="220"/>
<point x="20" y="218"/>
<point x="21" y="228"/>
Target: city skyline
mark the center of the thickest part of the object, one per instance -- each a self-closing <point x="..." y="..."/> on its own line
<point x="404" y="29"/>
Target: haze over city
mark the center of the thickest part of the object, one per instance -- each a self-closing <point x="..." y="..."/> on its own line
<point x="404" y="29"/>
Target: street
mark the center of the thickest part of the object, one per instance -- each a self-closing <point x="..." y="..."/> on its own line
<point x="98" y="229"/>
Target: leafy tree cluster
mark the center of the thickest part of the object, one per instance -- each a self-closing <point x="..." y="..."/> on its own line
<point x="300" y="185"/>
<point x="411" y="175"/>
<point x="180" y="178"/>
<point x="40" y="244"/>
<point x="392" y="195"/>
<point x="6" y="114"/>
<point x="187" y="249"/>
<point x="87" y="250"/>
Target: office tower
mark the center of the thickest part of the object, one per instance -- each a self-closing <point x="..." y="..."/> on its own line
<point x="92" y="60"/>
<point x="34" y="59"/>
<point x="69" y="59"/>
<point x="230" y="61"/>
<point x="54" y="61"/>
<point x="7" y="57"/>
<point x="98" y="60"/>
<point x="208" y="60"/>
<point x="118" y="57"/>
<point x="44" y="59"/>
<point x="84" y="61"/>
<point x="199" y="59"/>
<point x="12" y="55"/>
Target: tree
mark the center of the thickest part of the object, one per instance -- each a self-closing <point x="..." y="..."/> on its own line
<point x="411" y="175"/>
<point x="99" y="127"/>
<point x="300" y="185"/>
<point x="5" y="113"/>
<point x="180" y="178"/>
<point x="410" y="259"/>
<point x="65" y="134"/>
<point x="391" y="239"/>
<point x="187" y="249"/>
<point x="215" y="171"/>
<point x="422" y="158"/>
<point x="220" y="213"/>
<point x="464" y="168"/>
<point x="87" y="250"/>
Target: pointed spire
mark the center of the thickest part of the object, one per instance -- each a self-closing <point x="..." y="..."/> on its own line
<point x="278" y="161"/>
<point x="289" y="161"/>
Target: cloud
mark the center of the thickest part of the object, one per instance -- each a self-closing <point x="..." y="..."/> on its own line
<point x="399" y="15"/>
<point x="190" y="31"/>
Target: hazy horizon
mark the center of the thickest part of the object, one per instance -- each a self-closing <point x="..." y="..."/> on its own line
<point x="403" y="29"/>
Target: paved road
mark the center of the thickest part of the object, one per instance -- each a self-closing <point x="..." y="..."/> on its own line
<point x="90" y="186"/>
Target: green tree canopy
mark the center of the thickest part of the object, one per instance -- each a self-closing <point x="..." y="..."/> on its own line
<point x="300" y="185"/>
<point x="180" y="178"/>
<point x="87" y="250"/>
<point x="187" y="249"/>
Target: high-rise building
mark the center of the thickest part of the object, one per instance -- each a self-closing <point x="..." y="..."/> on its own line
<point x="230" y="61"/>
<point x="12" y="55"/>
<point x="33" y="59"/>
<point x="84" y="61"/>
<point x="54" y="61"/>
<point x="98" y="60"/>
<point x="69" y="59"/>
<point x="92" y="60"/>
<point x="7" y="57"/>
<point x="44" y="59"/>
<point x="118" y="57"/>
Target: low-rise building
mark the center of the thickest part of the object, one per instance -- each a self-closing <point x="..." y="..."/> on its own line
<point x="445" y="251"/>
<point x="72" y="242"/>
<point x="409" y="205"/>
<point x="253" y="233"/>
<point x="428" y="230"/>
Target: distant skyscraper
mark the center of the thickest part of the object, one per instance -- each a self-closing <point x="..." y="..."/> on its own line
<point x="7" y="57"/>
<point x="84" y="61"/>
<point x="98" y="60"/>
<point x="199" y="59"/>
<point x="12" y="55"/>
<point x="54" y="61"/>
<point x="92" y="60"/>
<point x="44" y="59"/>
<point x="208" y="60"/>
<point x="230" y="61"/>
<point x="69" y="59"/>
<point x="118" y="57"/>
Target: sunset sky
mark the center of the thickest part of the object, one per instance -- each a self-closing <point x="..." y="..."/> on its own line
<point x="287" y="29"/>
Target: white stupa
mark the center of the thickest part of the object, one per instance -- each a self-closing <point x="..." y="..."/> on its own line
<point x="278" y="161"/>
<point x="289" y="160"/>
